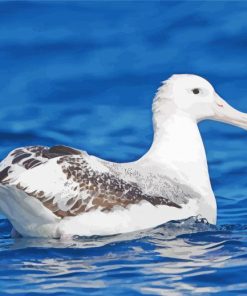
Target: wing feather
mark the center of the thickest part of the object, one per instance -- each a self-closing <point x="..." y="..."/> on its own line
<point x="69" y="182"/>
<point x="25" y="158"/>
<point x="71" y="185"/>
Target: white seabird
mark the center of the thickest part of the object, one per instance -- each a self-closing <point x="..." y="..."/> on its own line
<point x="61" y="191"/>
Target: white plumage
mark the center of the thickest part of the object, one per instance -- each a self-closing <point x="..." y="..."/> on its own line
<point x="60" y="191"/>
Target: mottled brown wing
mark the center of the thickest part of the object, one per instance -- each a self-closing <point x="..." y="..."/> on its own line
<point x="82" y="184"/>
<point x="26" y="158"/>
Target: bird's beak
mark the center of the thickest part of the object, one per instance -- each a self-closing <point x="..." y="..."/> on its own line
<point x="225" y="113"/>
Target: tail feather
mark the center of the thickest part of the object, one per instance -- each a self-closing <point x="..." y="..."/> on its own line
<point x="27" y="215"/>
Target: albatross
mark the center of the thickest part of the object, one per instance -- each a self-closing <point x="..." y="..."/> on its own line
<point x="61" y="191"/>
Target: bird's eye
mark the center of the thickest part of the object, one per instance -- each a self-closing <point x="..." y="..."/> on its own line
<point x="196" y="91"/>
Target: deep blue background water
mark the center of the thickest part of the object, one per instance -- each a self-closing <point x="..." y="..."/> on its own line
<point x="83" y="74"/>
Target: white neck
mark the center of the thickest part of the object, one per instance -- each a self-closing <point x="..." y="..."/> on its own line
<point x="178" y="149"/>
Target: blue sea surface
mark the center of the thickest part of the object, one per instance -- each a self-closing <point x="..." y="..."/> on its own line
<point x="83" y="74"/>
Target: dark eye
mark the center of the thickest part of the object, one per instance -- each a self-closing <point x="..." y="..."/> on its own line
<point x="196" y="91"/>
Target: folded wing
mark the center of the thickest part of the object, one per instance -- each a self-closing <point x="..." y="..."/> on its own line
<point x="70" y="182"/>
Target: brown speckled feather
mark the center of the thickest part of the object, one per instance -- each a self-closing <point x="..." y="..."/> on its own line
<point x="83" y="187"/>
<point x="32" y="156"/>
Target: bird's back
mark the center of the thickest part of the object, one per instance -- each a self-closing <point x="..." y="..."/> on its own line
<point x="62" y="182"/>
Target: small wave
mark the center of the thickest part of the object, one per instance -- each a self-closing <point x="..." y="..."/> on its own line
<point x="193" y="227"/>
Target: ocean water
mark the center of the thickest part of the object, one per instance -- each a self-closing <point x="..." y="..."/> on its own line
<point x="84" y="74"/>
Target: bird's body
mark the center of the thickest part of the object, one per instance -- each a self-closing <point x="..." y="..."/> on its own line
<point x="60" y="191"/>
<point x="83" y="195"/>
